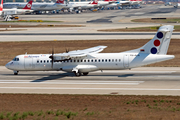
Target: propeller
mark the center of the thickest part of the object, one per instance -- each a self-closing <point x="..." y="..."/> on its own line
<point x="67" y="50"/>
<point x="52" y="58"/>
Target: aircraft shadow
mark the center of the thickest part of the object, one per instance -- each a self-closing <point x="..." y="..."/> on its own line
<point x="126" y="75"/>
<point x="123" y="75"/>
<point x="53" y="77"/>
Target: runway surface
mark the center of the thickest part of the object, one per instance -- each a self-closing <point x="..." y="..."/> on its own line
<point x="138" y="81"/>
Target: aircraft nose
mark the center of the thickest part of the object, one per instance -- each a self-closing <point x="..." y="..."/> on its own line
<point x="7" y="65"/>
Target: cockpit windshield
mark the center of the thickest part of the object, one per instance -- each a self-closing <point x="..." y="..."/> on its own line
<point x="16" y="59"/>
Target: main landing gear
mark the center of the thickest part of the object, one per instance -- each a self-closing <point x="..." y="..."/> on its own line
<point x="79" y="74"/>
<point x="86" y="73"/>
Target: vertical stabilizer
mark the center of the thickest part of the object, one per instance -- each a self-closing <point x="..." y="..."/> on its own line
<point x="60" y="1"/>
<point x="94" y="2"/>
<point x="29" y="5"/>
<point x="1" y="6"/>
<point x="159" y="44"/>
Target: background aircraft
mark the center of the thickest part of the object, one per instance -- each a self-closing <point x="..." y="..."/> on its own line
<point x="77" y="6"/>
<point x="88" y="60"/>
<point x="7" y="13"/>
<point x="35" y="6"/>
<point x="70" y="6"/>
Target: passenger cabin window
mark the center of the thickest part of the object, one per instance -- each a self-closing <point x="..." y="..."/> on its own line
<point x="102" y="60"/>
<point x="47" y="61"/>
<point x="119" y="60"/>
<point x="112" y="60"/>
<point x="106" y="60"/>
<point x="84" y="60"/>
<point x="109" y="60"/>
<point x="37" y="61"/>
<point x="95" y="60"/>
<point x="91" y="60"/>
<point x="88" y="60"/>
<point x="99" y="60"/>
<point x="74" y="60"/>
<point x="44" y="61"/>
<point x="41" y="61"/>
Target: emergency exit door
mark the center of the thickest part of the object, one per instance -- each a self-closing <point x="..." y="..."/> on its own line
<point x="126" y="61"/>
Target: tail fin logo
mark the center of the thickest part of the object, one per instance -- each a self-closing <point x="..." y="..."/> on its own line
<point x="28" y="5"/>
<point x="1" y="6"/>
<point x="160" y="35"/>
<point x="153" y="50"/>
<point x="157" y="43"/>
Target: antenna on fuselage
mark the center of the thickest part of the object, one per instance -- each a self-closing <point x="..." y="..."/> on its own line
<point x="26" y="53"/>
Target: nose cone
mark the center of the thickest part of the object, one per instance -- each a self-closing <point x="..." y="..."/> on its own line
<point x="7" y="65"/>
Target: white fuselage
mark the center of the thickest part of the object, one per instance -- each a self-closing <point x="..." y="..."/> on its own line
<point x="93" y="62"/>
<point x="77" y="5"/>
<point x="16" y="11"/>
<point x="55" y="6"/>
<point x="112" y="5"/>
<point x="35" y="6"/>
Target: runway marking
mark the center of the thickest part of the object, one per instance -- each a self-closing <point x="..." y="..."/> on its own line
<point x="157" y="76"/>
<point x="55" y="88"/>
<point x="138" y="13"/>
<point x="72" y="82"/>
<point x="165" y="72"/>
<point x="121" y="71"/>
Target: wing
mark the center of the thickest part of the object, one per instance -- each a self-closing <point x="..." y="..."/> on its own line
<point x="77" y="53"/>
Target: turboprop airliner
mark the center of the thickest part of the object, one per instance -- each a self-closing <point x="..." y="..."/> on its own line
<point x="88" y="60"/>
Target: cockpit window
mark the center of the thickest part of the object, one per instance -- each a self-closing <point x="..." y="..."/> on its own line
<point x="16" y="59"/>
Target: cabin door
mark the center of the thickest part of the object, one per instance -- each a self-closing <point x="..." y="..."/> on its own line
<point x="126" y="61"/>
<point x="28" y="63"/>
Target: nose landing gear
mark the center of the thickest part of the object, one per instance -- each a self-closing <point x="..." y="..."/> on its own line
<point x="16" y="72"/>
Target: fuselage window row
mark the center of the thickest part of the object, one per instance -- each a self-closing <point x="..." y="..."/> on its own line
<point x="85" y="60"/>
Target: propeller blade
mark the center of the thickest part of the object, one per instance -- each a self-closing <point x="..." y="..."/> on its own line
<point x="67" y="50"/>
<point x="52" y="58"/>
